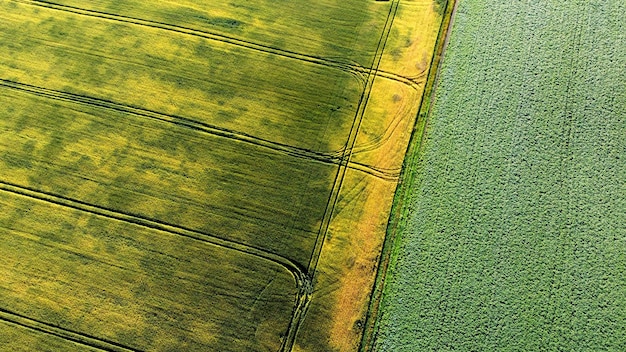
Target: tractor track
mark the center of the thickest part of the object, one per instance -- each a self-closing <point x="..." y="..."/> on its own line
<point x="354" y="131"/>
<point x="197" y="126"/>
<point x="343" y="167"/>
<point x="358" y="70"/>
<point x="302" y="279"/>
<point x="66" y="334"/>
<point x="304" y="276"/>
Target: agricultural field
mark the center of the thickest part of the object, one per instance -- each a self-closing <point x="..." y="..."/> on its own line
<point x="511" y="221"/>
<point x="193" y="176"/>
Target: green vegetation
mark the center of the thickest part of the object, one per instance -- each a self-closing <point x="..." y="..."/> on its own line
<point x="139" y="287"/>
<point x="305" y="105"/>
<point x="345" y="31"/>
<point x="14" y="337"/>
<point x="160" y="170"/>
<point x="512" y="237"/>
<point x="193" y="176"/>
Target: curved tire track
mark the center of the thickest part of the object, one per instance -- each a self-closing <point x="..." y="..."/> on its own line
<point x="194" y="125"/>
<point x="303" y="281"/>
<point x="376" y="142"/>
<point x="73" y="336"/>
<point x="343" y="166"/>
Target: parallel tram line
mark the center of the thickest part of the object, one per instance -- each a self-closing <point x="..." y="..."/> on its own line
<point x="566" y="163"/>
<point x="303" y="281"/>
<point x="65" y="334"/>
<point x="303" y="276"/>
<point x="385" y="174"/>
<point x="356" y="69"/>
<point x="340" y="176"/>
<point x="354" y="131"/>
<point x="154" y="224"/>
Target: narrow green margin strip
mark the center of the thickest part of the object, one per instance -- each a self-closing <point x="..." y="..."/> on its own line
<point x="413" y="151"/>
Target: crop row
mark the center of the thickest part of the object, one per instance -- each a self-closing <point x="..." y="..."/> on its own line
<point x="119" y="286"/>
<point x="291" y="103"/>
<point x="514" y="237"/>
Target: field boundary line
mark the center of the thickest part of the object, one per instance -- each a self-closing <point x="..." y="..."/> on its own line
<point x="354" y="131"/>
<point x="65" y="334"/>
<point x="416" y="142"/>
<point x="302" y="280"/>
<point x="356" y="69"/>
<point x="343" y="166"/>
<point x="297" y="152"/>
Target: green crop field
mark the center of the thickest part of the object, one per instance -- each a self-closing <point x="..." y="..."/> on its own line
<point x="201" y="176"/>
<point x="512" y="229"/>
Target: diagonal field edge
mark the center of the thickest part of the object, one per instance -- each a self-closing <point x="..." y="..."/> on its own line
<point x="354" y="131"/>
<point x="385" y="174"/>
<point x="302" y="280"/>
<point x="355" y="69"/>
<point x="343" y="166"/>
<point x="369" y="333"/>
